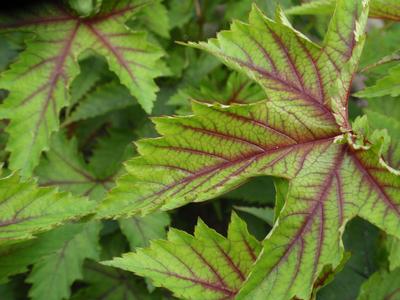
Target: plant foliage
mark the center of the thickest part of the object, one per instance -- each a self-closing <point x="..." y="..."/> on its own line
<point x="291" y="122"/>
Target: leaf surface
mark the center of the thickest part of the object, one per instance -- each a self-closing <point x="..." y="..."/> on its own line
<point x="301" y="133"/>
<point x="141" y="230"/>
<point x="204" y="266"/>
<point x="36" y="100"/>
<point x="382" y="285"/>
<point x="381" y="9"/>
<point x="27" y="209"/>
<point x="53" y="275"/>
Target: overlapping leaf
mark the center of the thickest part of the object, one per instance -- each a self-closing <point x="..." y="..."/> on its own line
<point x="38" y="82"/>
<point x="53" y="274"/>
<point x="27" y="209"/>
<point x="381" y="9"/>
<point x="204" y="266"/>
<point x="301" y="133"/>
<point x="382" y="285"/>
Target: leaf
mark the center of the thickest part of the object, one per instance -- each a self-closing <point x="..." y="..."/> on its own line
<point x="38" y="82"/>
<point x="381" y="285"/>
<point x="388" y="85"/>
<point x="393" y="246"/>
<point x="102" y="100"/>
<point x="65" y="167"/>
<point x="141" y="230"/>
<point x="264" y="213"/>
<point x="360" y="240"/>
<point x="302" y="133"/>
<point x="204" y="266"/>
<point x="53" y="275"/>
<point x="107" y="283"/>
<point x="381" y="9"/>
<point x="27" y="210"/>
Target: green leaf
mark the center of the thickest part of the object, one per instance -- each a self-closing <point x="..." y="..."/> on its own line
<point x="381" y="9"/>
<point x="141" y="230"/>
<point x="27" y="210"/>
<point x="382" y="285"/>
<point x="393" y="246"/>
<point x="38" y="82"/>
<point x="264" y="213"/>
<point x="386" y="86"/>
<point x="107" y="283"/>
<point x="204" y="266"/>
<point x="65" y="167"/>
<point x="53" y="275"/>
<point x="302" y="133"/>
<point x="104" y="99"/>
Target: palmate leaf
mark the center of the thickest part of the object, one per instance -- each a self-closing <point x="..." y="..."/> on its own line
<point x="38" y="82"/>
<point x="301" y="133"/>
<point x="381" y="9"/>
<point x="204" y="266"/>
<point x="27" y="210"/>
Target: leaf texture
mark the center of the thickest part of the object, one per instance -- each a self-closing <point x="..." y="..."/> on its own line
<point x="53" y="275"/>
<point x="27" y="210"/>
<point x="36" y="100"/>
<point x="300" y="133"/>
<point x="381" y="9"/>
<point x="204" y="266"/>
<point x="386" y="86"/>
<point x="141" y="230"/>
<point x="381" y="285"/>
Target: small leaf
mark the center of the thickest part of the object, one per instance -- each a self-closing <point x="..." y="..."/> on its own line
<point x="27" y="209"/>
<point x="264" y="213"/>
<point x="381" y="285"/>
<point x="53" y="275"/>
<point x="381" y="9"/>
<point x="386" y="86"/>
<point x="141" y="230"/>
<point x="393" y="246"/>
<point x="204" y="266"/>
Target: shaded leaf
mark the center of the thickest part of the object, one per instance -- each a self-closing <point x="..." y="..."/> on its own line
<point x="53" y="275"/>
<point x="382" y="285"/>
<point x="141" y="230"/>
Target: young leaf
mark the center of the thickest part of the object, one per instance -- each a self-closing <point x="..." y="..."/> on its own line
<point x="27" y="209"/>
<point x="141" y="230"/>
<point x="302" y="133"/>
<point x="381" y="285"/>
<point x="204" y="266"/>
<point x="386" y="86"/>
<point x="53" y="275"/>
<point x="381" y="9"/>
<point x="38" y="82"/>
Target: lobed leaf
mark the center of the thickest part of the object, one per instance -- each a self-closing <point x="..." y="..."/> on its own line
<point x="38" y="82"/>
<point x="204" y="266"/>
<point x="53" y="275"/>
<point x="27" y="210"/>
<point x="381" y="9"/>
<point x="300" y="133"/>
